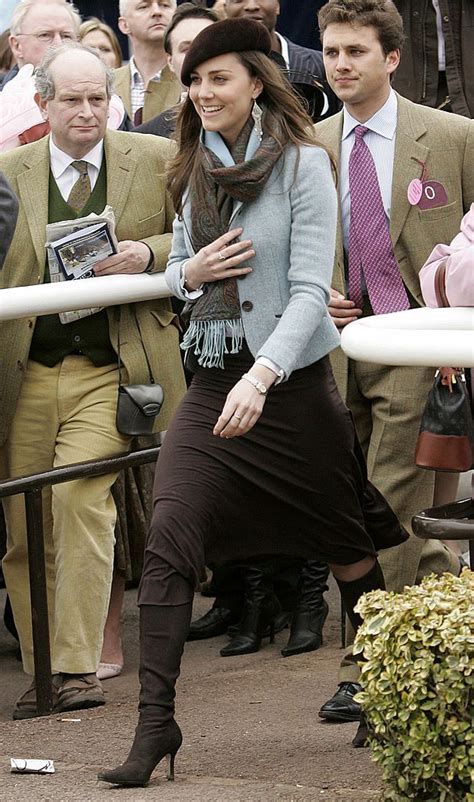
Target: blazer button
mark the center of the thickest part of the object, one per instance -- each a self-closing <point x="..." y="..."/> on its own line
<point x="247" y="306"/>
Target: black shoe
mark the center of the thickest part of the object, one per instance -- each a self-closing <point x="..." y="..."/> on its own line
<point x="215" y="622"/>
<point x="342" y="707"/>
<point x="260" y="610"/>
<point x="306" y="634"/>
<point x="282" y="621"/>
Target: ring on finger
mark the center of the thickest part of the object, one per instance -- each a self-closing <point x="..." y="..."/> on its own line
<point x="220" y="256"/>
<point x="237" y="416"/>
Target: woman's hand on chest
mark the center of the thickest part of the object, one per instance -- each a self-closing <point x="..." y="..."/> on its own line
<point x="219" y="260"/>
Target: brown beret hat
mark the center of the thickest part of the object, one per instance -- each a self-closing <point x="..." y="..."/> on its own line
<point x="226" y="36"/>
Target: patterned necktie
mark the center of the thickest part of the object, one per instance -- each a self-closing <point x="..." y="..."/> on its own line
<point x="81" y="191"/>
<point x="370" y="246"/>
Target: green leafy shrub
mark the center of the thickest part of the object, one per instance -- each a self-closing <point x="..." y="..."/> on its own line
<point x="418" y="687"/>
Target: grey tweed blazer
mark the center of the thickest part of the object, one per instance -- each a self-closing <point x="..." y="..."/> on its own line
<point x="292" y="225"/>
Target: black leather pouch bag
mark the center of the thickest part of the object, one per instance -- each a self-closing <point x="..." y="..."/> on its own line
<point x="137" y="407"/>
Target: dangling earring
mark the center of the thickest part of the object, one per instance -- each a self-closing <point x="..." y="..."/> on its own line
<point x="257" y="115"/>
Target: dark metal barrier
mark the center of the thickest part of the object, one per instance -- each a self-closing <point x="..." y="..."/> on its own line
<point x="31" y="486"/>
<point x="448" y="522"/>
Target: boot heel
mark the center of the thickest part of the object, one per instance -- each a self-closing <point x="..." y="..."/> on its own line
<point x="170" y="769"/>
<point x="272" y="630"/>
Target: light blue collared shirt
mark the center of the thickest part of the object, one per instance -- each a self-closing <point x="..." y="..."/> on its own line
<point x="380" y="139"/>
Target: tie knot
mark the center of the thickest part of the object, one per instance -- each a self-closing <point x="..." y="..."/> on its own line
<point x="359" y="133"/>
<point x="80" y="166"/>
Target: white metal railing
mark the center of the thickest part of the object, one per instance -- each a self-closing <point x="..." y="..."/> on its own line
<point x="430" y="337"/>
<point x="415" y="337"/>
<point x="65" y="296"/>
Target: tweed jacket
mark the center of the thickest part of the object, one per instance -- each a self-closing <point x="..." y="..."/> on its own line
<point x="159" y="95"/>
<point x="292" y="226"/>
<point x="143" y="211"/>
<point x="8" y="216"/>
<point x="444" y="143"/>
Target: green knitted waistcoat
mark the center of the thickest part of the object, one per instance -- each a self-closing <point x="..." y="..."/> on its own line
<point x="53" y="340"/>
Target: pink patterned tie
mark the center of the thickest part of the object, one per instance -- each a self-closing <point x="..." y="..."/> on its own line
<point x="370" y="246"/>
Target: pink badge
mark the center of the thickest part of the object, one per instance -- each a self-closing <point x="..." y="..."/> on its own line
<point x="433" y="195"/>
<point x="415" y="191"/>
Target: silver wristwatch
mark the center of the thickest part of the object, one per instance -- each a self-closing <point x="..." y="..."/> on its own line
<point x="259" y="386"/>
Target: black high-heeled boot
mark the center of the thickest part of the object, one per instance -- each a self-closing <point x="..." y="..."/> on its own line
<point x="163" y="632"/>
<point x="351" y="593"/>
<point x="306" y="632"/>
<point x="260" y="608"/>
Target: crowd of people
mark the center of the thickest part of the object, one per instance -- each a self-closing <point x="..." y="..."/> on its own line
<point x="284" y="193"/>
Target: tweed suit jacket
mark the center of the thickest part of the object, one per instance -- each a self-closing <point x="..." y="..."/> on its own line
<point x="159" y="95"/>
<point x="444" y="143"/>
<point x="292" y="226"/>
<point x="8" y="215"/>
<point x="143" y="211"/>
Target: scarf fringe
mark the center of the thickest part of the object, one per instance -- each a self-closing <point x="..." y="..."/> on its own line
<point x="208" y="340"/>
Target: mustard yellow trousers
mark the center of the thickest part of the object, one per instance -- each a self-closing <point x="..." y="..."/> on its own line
<point x="65" y="414"/>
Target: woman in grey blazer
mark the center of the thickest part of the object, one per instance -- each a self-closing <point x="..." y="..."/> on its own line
<point x="261" y="457"/>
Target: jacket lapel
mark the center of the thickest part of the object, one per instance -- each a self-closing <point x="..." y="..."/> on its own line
<point x="33" y="188"/>
<point x="121" y="168"/>
<point x="410" y="155"/>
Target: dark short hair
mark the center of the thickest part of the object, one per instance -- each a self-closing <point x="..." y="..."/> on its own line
<point x="186" y="11"/>
<point x="379" y="14"/>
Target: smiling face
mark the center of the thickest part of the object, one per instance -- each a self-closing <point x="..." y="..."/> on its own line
<point x="181" y="38"/>
<point x="78" y="112"/>
<point x="223" y="91"/>
<point x="357" y="69"/>
<point x="146" y="20"/>
<point x="264" y="11"/>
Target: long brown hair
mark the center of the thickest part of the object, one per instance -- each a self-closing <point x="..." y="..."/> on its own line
<point x="285" y="119"/>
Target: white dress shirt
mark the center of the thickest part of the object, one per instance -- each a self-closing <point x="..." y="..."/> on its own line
<point x="380" y="139"/>
<point x="441" y="43"/>
<point x="285" y="53"/>
<point x="65" y="175"/>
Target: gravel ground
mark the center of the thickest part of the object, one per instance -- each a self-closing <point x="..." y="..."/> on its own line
<point x="250" y="724"/>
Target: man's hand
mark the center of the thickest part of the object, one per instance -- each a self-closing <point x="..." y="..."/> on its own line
<point x="132" y="257"/>
<point x="342" y="310"/>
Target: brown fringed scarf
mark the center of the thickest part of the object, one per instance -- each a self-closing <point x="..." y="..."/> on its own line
<point x="216" y="314"/>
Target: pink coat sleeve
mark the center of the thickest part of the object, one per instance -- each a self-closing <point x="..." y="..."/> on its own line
<point x="459" y="260"/>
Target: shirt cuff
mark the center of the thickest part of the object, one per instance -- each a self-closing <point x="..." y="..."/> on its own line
<point x="271" y="365"/>
<point x="190" y="294"/>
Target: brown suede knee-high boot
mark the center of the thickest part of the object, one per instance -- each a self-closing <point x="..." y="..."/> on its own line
<point x="351" y="593"/>
<point x="163" y="632"/>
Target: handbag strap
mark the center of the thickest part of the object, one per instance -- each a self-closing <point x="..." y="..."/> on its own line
<point x="440" y="286"/>
<point x="120" y="363"/>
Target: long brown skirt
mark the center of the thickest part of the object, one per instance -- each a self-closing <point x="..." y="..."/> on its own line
<point x="293" y="485"/>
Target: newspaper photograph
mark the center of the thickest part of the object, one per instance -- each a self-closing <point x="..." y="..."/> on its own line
<point x="78" y="252"/>
<point x="58" y="236"/>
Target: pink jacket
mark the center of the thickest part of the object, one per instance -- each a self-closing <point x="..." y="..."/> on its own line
<point x="459" y="261"/>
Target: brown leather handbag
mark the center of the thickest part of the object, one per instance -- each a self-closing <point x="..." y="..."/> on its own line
<point x="445" y="442"/>
<point x="446" y="430"/>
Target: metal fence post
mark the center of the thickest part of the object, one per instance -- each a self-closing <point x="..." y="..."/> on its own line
<point x="39" y="601"/>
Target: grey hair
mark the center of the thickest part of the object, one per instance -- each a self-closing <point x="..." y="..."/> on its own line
<point x="24" y="6"/>
<point x="44" y="81"/>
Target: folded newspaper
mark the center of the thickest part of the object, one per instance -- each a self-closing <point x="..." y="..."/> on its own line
<point x="74" y="246"/>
